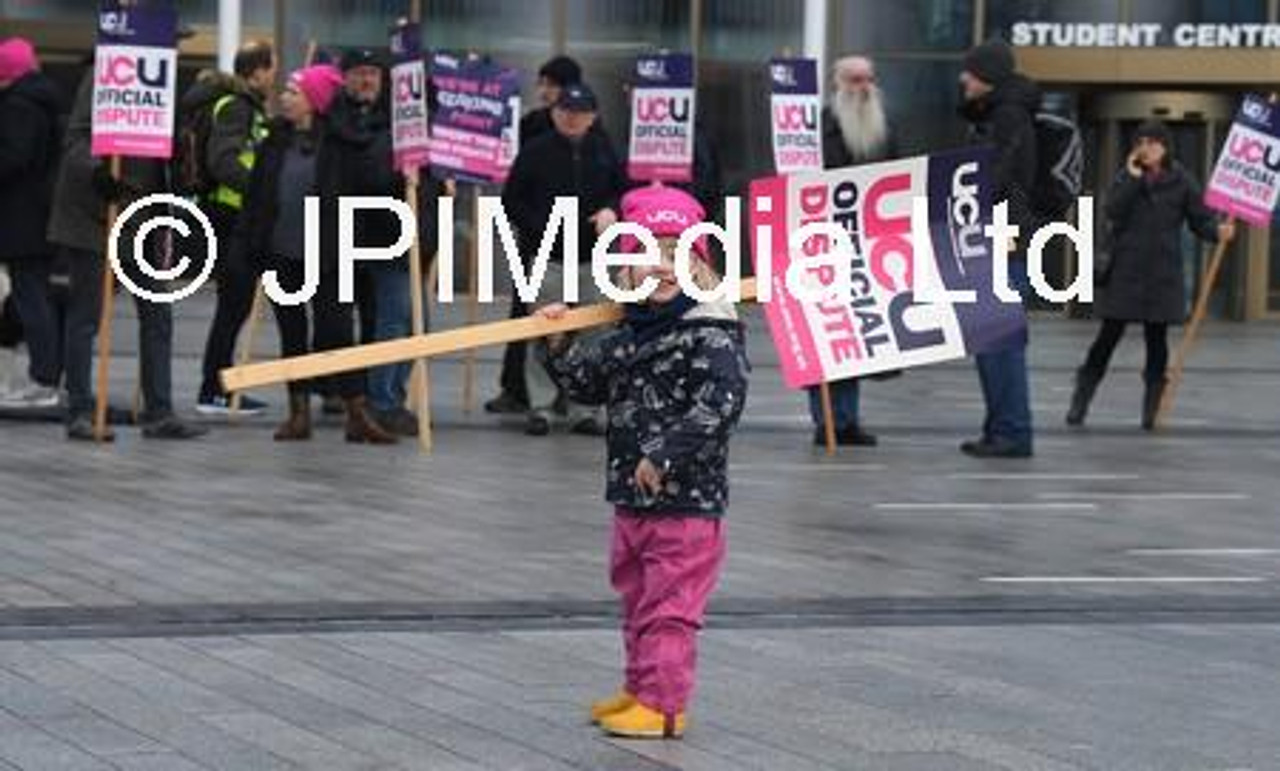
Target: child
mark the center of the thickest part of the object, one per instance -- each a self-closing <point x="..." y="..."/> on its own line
<point x="674" y="378"/>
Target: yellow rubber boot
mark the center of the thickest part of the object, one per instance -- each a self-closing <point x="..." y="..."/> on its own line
<point x="640" y="722"/>
<point x="615" y="703"/>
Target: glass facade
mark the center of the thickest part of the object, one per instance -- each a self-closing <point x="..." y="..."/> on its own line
<point x="921" y="25"/>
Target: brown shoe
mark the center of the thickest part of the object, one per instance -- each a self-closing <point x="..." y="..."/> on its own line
<point x="297" y="427"/>
<point x="362" y="428"/>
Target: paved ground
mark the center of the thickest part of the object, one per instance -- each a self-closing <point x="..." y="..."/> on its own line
<point x="234" y="604"/>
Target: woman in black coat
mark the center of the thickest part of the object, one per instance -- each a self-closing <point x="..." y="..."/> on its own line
<point x="1148" y="203"/>
<point x="305" y="154"/>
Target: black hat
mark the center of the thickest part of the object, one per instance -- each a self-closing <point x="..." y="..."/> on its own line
<point x="360" y="57"/>
<point x="577" y="97"/>
<point x="992" y="62"/>
<point x="561" y="71"/>
<point x="1153" y="129"/>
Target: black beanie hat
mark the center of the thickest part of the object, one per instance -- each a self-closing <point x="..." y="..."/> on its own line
<point x="1153" y="129"/>
<point x="562" y="71"/>
<point x="992" y="61"/>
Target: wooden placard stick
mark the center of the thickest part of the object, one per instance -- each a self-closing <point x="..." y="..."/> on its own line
<point x="1198" y="315"/>
<point x="420" y="384"/>
<point x="473" y="304"/>
<point x="104" y="320"/>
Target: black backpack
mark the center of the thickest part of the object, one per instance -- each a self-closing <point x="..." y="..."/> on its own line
<point x="1059" y="166"/>
<point x="190" y="169"/>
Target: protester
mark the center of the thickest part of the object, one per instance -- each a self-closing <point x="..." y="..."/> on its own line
<point x="1000" y="105"/>
<point x="84" y="187"/>
<point x="304" y="155"/>
<point x="362" y="92"/>
<point x="237" y="120"/>
<point x="553" y="77"/>
<point x="29" y="143"/>
<point x="855" y="130"/>
<point x="361" y="115"/>
<point x="571" y="161"/>
<point x="1151" y="199"/>
<point x="674" y="377"/>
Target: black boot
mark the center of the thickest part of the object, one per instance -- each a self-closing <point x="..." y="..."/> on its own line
<point x="1086" y="385"/>
<point x="1151" y="398"/>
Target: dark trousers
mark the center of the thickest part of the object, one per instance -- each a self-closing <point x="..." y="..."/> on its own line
<point x="512" y="379"/>
<point x="1157" y="338"/>
<point x="155" y="338"/>
<point x="237" y="282"/>
<point x="330" y="325"/>
<point x="33" y="302"/>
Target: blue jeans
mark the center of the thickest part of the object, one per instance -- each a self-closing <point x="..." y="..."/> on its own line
<point x="1005" y="384"/>
<point x="844" y="404"/>
<point x="388" y="385"/>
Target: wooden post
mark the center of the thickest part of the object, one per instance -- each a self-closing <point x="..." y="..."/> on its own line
<point x="104" y="320"/>
<point x="473" y="304"/>
<point x="1198" y="315"/>
<point x="828" y="419"/>
<point x="420" y="384"/>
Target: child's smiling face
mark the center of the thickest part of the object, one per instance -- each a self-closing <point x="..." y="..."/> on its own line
<point x="664" y="272"/>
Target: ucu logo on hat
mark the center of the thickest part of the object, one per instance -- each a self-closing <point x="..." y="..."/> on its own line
<point x="667" y="217"/>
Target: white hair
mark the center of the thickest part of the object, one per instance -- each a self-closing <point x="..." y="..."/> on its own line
<point x="863" y="124"/>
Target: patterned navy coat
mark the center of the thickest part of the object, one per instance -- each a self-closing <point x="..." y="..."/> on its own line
<point x="674" y="399"/>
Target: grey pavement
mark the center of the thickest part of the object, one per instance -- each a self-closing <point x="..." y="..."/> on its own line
<point x="232" y="603"/>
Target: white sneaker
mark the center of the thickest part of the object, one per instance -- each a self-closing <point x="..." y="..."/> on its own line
<point x="32" y="397"/>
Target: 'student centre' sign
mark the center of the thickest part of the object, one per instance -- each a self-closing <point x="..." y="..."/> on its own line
<point x="1045" y="34"/>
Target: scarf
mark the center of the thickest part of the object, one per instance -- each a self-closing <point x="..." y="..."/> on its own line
<point x="649" y="321"/>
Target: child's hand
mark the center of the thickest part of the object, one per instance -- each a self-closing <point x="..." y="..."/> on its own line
<point x="648" y="478"/>
<point x="552" y="312"/>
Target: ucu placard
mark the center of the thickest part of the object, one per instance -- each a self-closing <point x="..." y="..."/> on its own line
<point x="1246" y="180"/>
<point x="795" y="115"/>
<point x="410" y="133"/>
<point x="662" y="119"/>
<point x="134" y="82"/>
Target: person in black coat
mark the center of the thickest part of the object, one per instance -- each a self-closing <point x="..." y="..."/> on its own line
<point x="29" y="110"/>
<point x="576" y="162"/>
<point x="1150" y="200"/>
<point x="554" y="76"/>
<point x="1000" y="106"/>
<point x="303" y="155"/>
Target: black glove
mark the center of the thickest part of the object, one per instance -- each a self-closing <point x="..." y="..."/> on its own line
<point x="107" y="186"/>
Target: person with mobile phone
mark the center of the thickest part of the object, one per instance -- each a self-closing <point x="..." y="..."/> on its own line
<point x="1148" y="204"/>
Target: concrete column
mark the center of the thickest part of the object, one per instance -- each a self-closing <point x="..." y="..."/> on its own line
<point x="228" y="32"/>
<point x="816" y="17"/>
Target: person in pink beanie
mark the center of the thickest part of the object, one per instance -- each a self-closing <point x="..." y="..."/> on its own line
<point x="674" y="378"/>
<point x="319" y="84"/>
<point x="17" y="58"/>
<point x="29" y="108"/>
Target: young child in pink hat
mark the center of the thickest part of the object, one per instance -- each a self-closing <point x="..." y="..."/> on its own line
<point x="674" y="378"/>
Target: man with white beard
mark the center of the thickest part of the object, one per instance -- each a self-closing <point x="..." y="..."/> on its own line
<point x="855" y="130"/>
